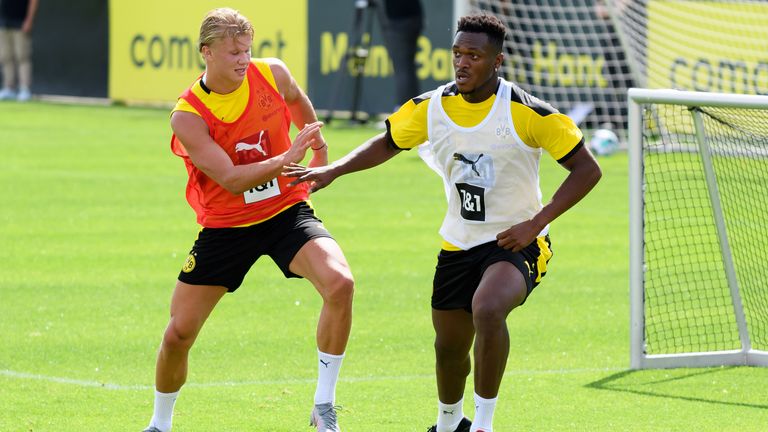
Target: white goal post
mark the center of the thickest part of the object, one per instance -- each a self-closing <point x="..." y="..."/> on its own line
<point x="698" y="183"/>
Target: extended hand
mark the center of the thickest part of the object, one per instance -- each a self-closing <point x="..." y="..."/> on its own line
<point x="319" y="177"/>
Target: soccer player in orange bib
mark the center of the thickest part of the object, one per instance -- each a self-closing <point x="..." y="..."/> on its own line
<point x="231" y="129"/>
<point x="484" y="137"/>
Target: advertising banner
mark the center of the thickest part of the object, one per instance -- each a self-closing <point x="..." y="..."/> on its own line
<point x="333" y="41"/>
<point x="67" y="61"/>
<point x="153" y="53"/>
<point x="700" y="54"/>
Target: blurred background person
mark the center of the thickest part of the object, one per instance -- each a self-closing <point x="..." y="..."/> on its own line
<point x="402" y="26"/>
<point x="16" y="19"/>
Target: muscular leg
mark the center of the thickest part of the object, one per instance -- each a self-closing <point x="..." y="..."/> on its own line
<point x="322" y="262"/>
<point x="190" y="307"/>
<point x="453" y="338"/>
<point x="501" y="289"/>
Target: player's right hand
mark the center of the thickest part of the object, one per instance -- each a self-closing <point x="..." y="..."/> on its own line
<point x="306" y="138"/>
<point x="318" y="177"/>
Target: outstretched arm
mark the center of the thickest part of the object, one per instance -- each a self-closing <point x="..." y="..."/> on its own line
<point x="373" y="152"/>
<point x="302" y="111"/>
<point x="210" y="158"/>
<point x="584" y="175"/>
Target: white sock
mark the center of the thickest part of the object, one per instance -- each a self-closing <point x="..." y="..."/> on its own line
<point x="162" y="417"/>
<point x="328" y="366"/>
<point x="449" y="415"/>
<point x="483" y="420"/>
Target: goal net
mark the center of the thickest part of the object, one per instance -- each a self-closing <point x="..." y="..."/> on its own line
<point x="566" y="52"/>
<point x="587" y="53"/>
<point x="698" y="228"/>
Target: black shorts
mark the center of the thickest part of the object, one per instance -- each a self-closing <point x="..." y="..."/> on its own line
<point x="458" y="273"/>
<point x="223" y="256"/>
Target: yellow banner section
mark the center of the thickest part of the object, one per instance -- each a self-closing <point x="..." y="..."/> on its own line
<point x="153" y="52"/>
<point x="713" y="46"/>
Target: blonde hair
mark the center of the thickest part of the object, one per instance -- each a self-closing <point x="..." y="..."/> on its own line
<point x="223" y="23"/>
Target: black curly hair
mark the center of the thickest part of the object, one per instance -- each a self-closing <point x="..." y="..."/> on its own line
<point x="484" y="23"/>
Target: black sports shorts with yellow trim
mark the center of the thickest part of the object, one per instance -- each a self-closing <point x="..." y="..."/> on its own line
<point x="458" y="273"/>
<point x="223" y="256"/>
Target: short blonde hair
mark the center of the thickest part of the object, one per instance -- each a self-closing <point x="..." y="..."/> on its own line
<point x="223" y="23"/>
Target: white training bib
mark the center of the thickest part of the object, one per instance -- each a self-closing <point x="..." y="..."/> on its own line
<point x="491" y="177"/>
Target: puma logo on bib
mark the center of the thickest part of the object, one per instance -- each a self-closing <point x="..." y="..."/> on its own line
<point x="254" y="148"/>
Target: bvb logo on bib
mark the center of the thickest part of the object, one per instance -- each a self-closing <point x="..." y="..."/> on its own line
<point x="189" y="264"/>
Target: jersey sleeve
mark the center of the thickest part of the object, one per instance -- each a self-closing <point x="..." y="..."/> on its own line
<point x="408" y="125"/>
<point x="547" y="129"/>
<point x="266" y="71"/>
<point x="183" y="105"/>
<point x="540" y="125"/>
<point x="557" y="134"/>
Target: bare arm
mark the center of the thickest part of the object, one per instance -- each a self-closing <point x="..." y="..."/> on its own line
<point x="302" y="111"/>
<point x="211" y="159"/>
<point x="26" y="26"/>
<point x="373" y="152"/>
<point x="584" y="175"/>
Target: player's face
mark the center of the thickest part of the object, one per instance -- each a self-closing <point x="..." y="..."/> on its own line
<point x="475" y="65"/>
<point x="228" y="58"/>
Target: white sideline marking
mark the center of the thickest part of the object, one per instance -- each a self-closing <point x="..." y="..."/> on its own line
<point x="76" y="382"/>
<point x="113" y="386"/>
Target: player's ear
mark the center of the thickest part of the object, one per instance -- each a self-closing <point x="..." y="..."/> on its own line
<point x="205" y="51"/>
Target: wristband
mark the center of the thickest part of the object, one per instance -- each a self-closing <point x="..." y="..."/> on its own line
<point x="319" y="148"/>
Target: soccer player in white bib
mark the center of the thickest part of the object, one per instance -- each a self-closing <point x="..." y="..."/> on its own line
<point x="484" y="136"/>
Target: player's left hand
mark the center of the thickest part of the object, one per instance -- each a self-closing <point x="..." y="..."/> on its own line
<point x="518" y="236"/>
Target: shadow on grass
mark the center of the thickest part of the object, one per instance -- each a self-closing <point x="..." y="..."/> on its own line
<point x="649" y="388"/>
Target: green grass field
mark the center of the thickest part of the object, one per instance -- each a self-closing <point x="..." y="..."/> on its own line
<point x="94" y="229"/>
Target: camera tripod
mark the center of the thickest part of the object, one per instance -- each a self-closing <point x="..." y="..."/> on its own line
<point x="357" y="54"/>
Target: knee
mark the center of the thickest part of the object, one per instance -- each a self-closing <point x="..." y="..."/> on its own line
<point x="453" y="358"/>
<point x="339" y="289"/>
<point x="177" y="337"/>
<point x="448" y="350"/>
<point x="488" y="316"/>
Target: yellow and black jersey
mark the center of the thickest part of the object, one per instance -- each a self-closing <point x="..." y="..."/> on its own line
<point x="226" y="107"/>
<point x="537" y="123"/>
